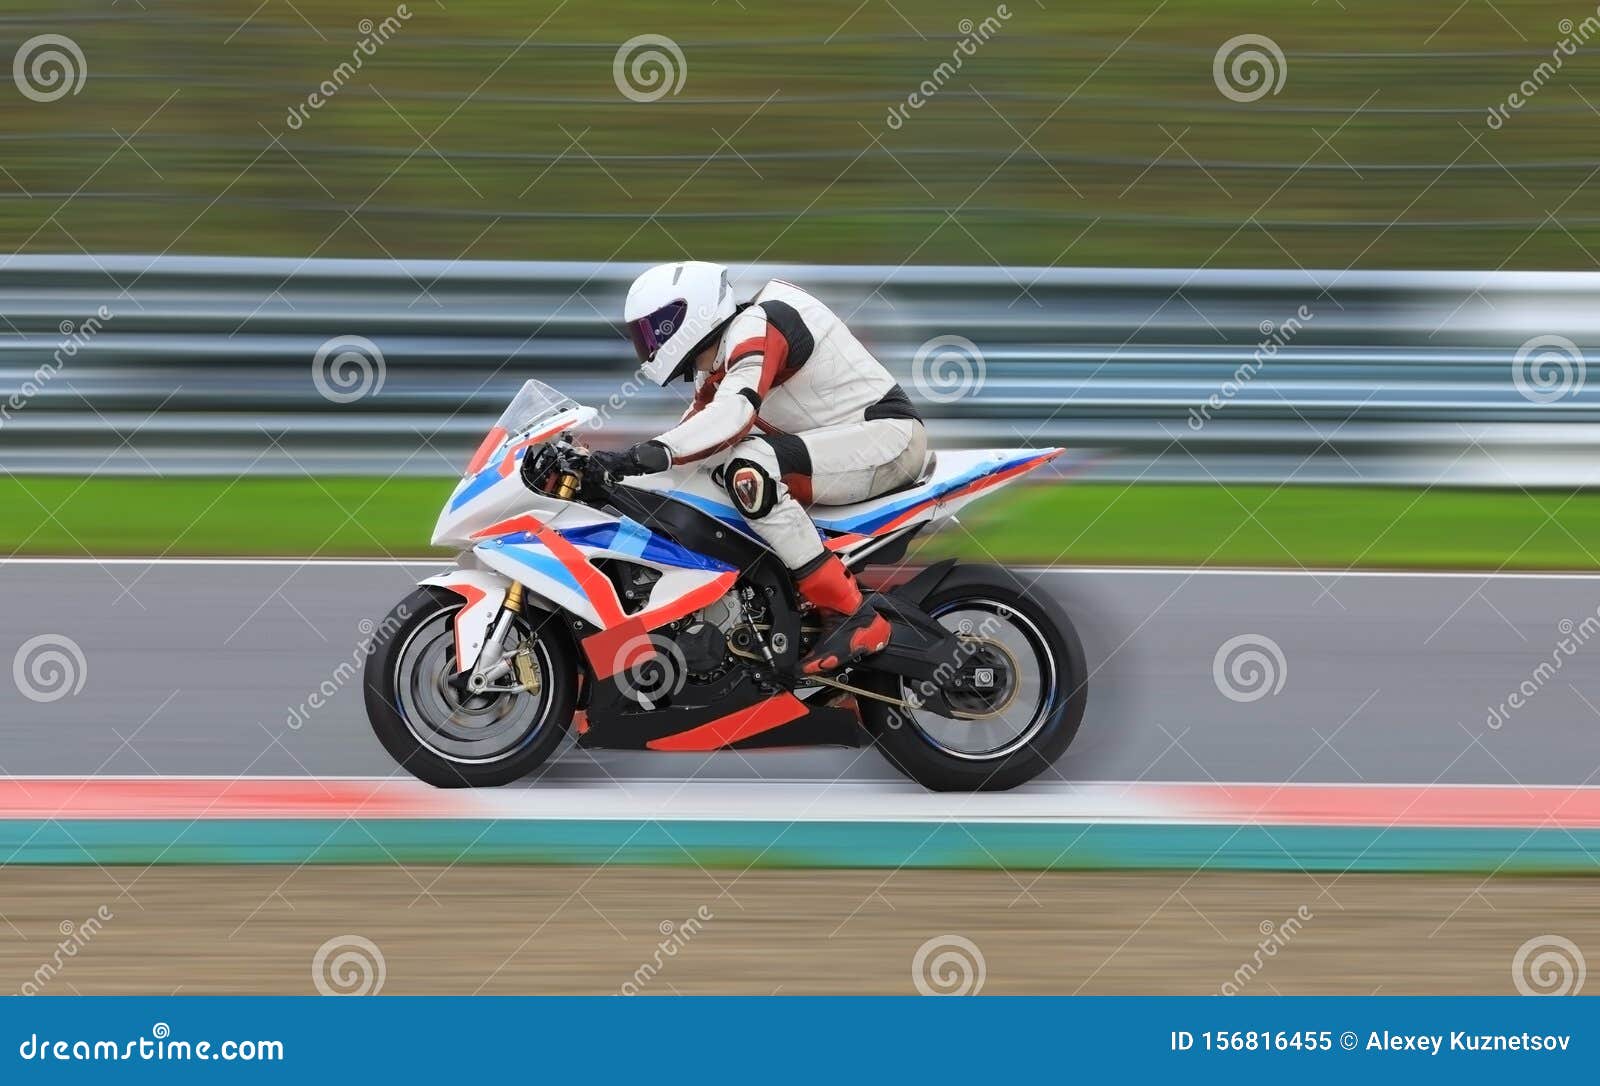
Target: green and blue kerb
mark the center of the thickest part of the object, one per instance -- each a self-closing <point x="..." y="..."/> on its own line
<point x="1092" y="826"/>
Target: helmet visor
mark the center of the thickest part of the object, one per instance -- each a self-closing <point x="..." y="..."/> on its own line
<point x="650" y="332"/>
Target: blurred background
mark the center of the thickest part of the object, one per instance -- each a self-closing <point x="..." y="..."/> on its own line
<point x="494" y="129"/>
<point x="1294" y="258"/>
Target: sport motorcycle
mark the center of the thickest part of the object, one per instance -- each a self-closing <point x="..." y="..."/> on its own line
<point x="643" y="614"/>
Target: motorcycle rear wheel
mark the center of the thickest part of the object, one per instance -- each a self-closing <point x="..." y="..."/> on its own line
<point x="1038" y="706"/>
<point x="452" y="740"/>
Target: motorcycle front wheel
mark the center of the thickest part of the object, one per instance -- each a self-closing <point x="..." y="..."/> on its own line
<point x="1011" y="727"/>
<point x="452" y="739"/>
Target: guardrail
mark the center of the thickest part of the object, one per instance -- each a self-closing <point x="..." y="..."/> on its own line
<point x="218" y="365"/>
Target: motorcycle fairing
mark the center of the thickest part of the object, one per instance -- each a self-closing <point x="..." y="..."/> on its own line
<point x="961" y="476"/>
<point x="492" y="488"/>
<point x="734" y="727"/>
<point x="485" y="593"/>
<point x="498" y="456"/>
<point x="558" y="565"/>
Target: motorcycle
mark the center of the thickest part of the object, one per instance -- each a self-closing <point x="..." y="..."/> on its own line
<point x="643" y="614"/>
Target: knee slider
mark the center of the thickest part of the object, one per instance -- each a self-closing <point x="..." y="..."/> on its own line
<point x="753" y="490"/>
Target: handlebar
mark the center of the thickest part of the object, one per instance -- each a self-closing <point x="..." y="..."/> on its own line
<point x="564" y="470"/>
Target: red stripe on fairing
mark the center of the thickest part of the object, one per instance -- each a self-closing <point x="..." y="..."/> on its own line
<point x="472" y="594"/>
<point x="730" y="729"/>
<point x="597" y="587"/>
<point x="491" y="442"/>
<point x="606" y="648"/>
<point x="617" y="648"/>
<point x="689" y="602"/>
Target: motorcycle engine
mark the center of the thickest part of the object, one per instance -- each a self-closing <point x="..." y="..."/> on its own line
<point x="703" y="646"/>
<point x="714" y="640"/>
<point x="709" y="642"/>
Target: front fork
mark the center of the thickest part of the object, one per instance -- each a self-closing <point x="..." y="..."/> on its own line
<point x="494" y="661"/>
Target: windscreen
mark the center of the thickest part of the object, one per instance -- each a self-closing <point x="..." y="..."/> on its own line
<point x="534" y="403"/>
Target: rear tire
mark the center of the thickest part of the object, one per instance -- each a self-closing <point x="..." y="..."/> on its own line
<point x="1063" y="677"/>
<point x="433" y="739"/>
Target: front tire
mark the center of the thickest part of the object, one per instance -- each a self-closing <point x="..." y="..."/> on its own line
<point x="954" y="755"/>
<point x="446" y="738"/>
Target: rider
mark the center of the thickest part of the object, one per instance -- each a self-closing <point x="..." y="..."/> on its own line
<point x="808" y="414"/>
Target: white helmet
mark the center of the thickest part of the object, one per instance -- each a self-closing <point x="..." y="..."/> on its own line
<point x="671" y="310"/>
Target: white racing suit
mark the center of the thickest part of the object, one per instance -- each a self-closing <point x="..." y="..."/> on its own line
<point x="809" y="416"/>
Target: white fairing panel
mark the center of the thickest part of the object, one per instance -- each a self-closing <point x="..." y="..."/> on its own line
<point x="484" y="593"/>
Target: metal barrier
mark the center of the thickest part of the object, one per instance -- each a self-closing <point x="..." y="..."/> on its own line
<point x="216" y="365"/>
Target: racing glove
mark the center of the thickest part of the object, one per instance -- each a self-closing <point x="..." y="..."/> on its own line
<point x="645" y="458"/>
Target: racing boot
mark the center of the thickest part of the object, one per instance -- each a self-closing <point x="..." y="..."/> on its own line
<point x="852" y="629"/>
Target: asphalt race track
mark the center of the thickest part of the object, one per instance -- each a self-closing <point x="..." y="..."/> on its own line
<point x="208" y="667"/>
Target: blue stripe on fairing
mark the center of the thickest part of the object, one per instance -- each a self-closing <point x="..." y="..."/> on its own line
<point x="869" y="522"/>
<point x="483" y="481"/>
<point x="631" y="537"/>
<point x="480" y="482"/>
<point x="725" y="513"/>
<point x="540" y="560"/>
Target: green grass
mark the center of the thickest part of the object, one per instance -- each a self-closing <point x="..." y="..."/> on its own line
<point x="1086" y="523"/>
<point x="1366" y="156"/>
<point x="1313" y="526"/>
